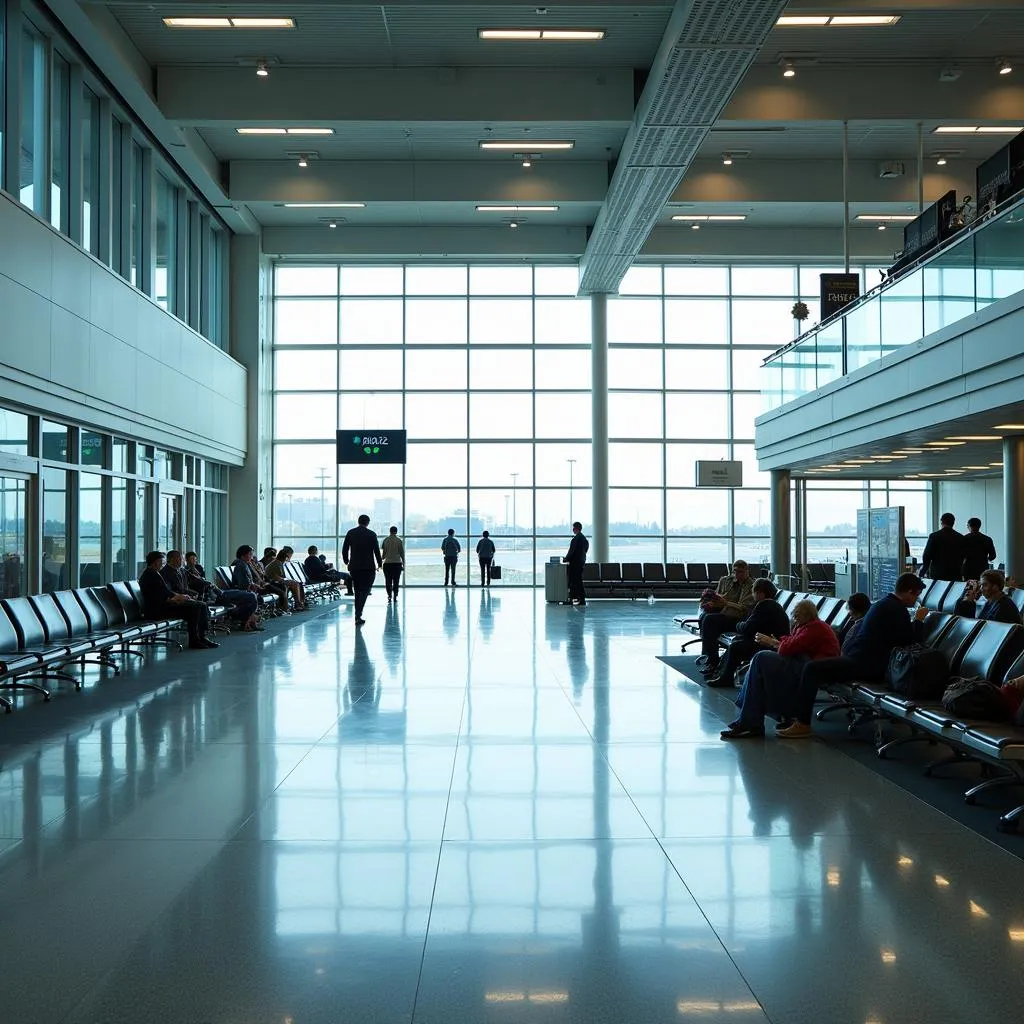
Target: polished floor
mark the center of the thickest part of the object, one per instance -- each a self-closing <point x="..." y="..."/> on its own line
<point x="478" y="808"/>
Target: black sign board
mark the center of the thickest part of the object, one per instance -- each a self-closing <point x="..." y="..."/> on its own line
<point x="992" y="180"/>
<point x="364" y="447"/>
<point x="837" y="291"/>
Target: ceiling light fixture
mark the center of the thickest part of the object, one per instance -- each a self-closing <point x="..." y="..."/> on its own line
<point x="788" y="70"/>
<point x="324" y="206"/>
<point x="543" y="35"/>
<point x="303" y="160"/>
<point x="888" y="218"/>
<point x="513" y="224"/>
<point x="263" y="69"/>
<point x="189" y="22"/>
<point x="836" y="20"/>
<point x="940" y="161"/>
<point x="974" y="467"/>
<point x="695" y="227"/>
<point x="1009" y="426"/>
<point x="943" y="444"/>
<point x="727" y="160"/>
<point x="974" y="437"/>
<point x="533" y="143"/>
<point x="285" y="131"/>
<point x="1005" y="67"/>
<point x="802" y="21"/>
<point x="910" y="451"/>
<point x="527" y="162"/>
<point x="507" y="208"/>
<point x="709" y="218"/>
<point x="881" y="227"/>
<point x="974" y="129"/>
<point x="332" y="224"/>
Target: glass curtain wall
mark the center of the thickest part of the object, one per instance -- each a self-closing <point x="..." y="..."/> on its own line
<point x="488" y="369"/>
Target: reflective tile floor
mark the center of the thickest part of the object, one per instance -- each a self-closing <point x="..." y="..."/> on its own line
<point x="477" y="809"/>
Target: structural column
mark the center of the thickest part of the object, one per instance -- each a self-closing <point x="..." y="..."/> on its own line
<point x="1013" y="514"/>
<point x="781" y="522"/>
<point x="599" y="432"/>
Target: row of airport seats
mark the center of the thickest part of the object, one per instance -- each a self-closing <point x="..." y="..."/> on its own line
<point x="640" y="579"/>
<point x="43" y="638"/>
<point x="943" y="595"/>
<point x="320" y="590"/>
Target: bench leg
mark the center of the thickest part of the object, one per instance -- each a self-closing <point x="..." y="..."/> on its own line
<point x="1008" y="822"/>
<point x="838" y="704"/>
<point x="971" y="796"/>
<point x="915" y="737"/>
<point x="102" y="659"/>
<point x="953" y="757"/>
<point x="19" y="683"/>
<point x="695" y="640"/>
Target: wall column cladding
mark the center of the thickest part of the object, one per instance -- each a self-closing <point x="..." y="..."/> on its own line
<point x="1013" y="492"/>
<point x="78" y="342"/>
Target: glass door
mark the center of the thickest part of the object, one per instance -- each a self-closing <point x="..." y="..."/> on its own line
<point x="169" y="537"/>
<point x="13" y="536"/>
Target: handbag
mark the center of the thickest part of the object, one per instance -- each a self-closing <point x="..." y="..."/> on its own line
<point x="974" y="698"/>
<point x="918" y="672"/>
<point x="495" y="572"/>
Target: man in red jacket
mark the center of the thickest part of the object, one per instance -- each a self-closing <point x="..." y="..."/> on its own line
<point x="773" y="678"/>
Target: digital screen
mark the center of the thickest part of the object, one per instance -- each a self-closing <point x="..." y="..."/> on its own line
<point x="362" y="447"/>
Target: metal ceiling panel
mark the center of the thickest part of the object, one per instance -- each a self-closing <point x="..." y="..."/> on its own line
<point x="706" y="51"/>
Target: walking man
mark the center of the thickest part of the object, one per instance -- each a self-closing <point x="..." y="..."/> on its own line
<point x="361" y="553"/>
<point x="450" y="548"/>
<point x="575" y="559"/>
<point x="485" y="552"/>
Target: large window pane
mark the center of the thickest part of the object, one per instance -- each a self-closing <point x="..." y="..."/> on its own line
<point x="500" y="321"/>
<point x="562" y="416"/>
<point x="635" y="465"/>
<point x="433" y="415"/>
<point x="166" y="242"/>
<point x="136" y="212"/>
<point x="500" y="368"/>
<point x="306" y="281"/>
<point x="634" y="510"/>
<point x="696" y="280"/>
<point x="372" y="280"/>
<point x="752" y="511"/>
<point x="562" y="465"/>
<point x="90" y="170"/>
<point x="500" y="280"/>
<point x="635" y="368"/>
<point x="435" y="368"/>
<point x="371" y="321"/>
<point x="681" y="461"/>
<point x="697" y="321"/>
<point x="305" y="370"/>
<point x="562" y="321"/>
<point x="60" y="142"/>
<point x="747" y="368"/>
<point x="13" y="432"/>
<point x="55" y="520"/>
<point x="32" y="183"/>
<point x="635" y="320"/>
<point x="697" y="416"/>
<point x="435" y="321"/>
<point x="762" y="322"/>
<point x="708" y="366"/>
<point x="764" y="281"/>
<point x="634" y="415"/>
<point x="433" y="512"/>
<point x="432" y="465"/>
<point x="306" y="322"/>
<point x="91" y="530"/>
<point x="119" y="529"/>
<point x="500" y="415"/>
<point x="435" y="280"/>
<point x="556" y="280"/>
<point x="557" y="510"/>
<point x="492" y="465"/>
<point x="745" y="409"/>
<point x="699" y="510"/>
<point x="641" y="280"/>
<point x="561" y="369"/>
<point x="306" y="416"/>
<point x="365" y="369"/>
<point x="373" y="410"/>
<point x="13" y="533"/>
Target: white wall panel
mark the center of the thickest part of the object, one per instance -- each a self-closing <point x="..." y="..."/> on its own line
<point x="981" y="498"/>
<point x="78" y="342"/>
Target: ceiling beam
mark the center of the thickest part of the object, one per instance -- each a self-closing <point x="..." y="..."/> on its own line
<point x="212" y="96"/>
<point x="706" y="50"/>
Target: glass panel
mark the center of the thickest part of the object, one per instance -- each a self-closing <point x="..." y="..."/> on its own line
<point x="752" y="475"/>
<point x="431" y="513"/>
<point x="370" y="409"/>
<point x="362" y="370"/>
<point x="435" y="280"/>
<point x="681" y="461"/>
<point x="556" y="280"/>
<point x="92" y="448"/>
<point x="708" y="365"/>
<point x="635" y="368"/>
<point x="634" y="320"/>
<point x="436" y="415"/>
<point x="306" y="416"/>
<point x="746" y="368"/>
<point x="369" y="476"/>
<point x="119" y="529"/>
<point x="762" y="322"/>
<point x="751" y="511"/>
<point x="998" y="250"/>
<point x="55" y="518"/>
<point x="32" y="183"/>
<point x="561" y="368"/>
<point x="500" y="368"/>
<point x="632" y="511"/>
<point x="371" y="280"/>
<point x="371" y="321"/>
<point x="745" y="409"/>
<point x="634" y="415"/>
<point x="696" y="280"/>
<point x="949" y="280"/>
<point x="90" y="170"/>
<point x="764" y="281"/>
<point x="635" y="464"/>
<point x="863" y="334"/>
<point x="562" y="321"/>
<point x="500" y="280"/>
<point x="567" y="465"/>
<point x="13" y="432"/>
<point x="91" y="530"/>
<point x="438" y="368"/>
<point x="500" y="321"/>
<point x="697" y="321"/>
<point x="640" y="280"/>
<point x="13" y="535"/>
<point x="492" y="465"/>
<point x="137" y="210"/>
<point x="435" y="321"/>
<point x="166" y="242"/>
<point x="501" y="415"/>
<point x="55" y="441"/>
<point x="305" y="370"/>
<point x="60" y="141"/>
<point x="562" y="416"/>
<point x="119" y="455"/>
<point x="431" y="465"/>
<point x="702" y="511"/>
<point x="902" y="319"/>
<point x="306" y="322"/>
<point x="213" y="548"/>
<point x="556" y="511"/>
<point x="306" y="280"/>
<point x="697" y="416"/>
<point x="699" y="549"/>
<point x="810" y="280"/>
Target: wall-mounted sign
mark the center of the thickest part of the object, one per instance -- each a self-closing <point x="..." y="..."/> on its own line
<point x="838" y="290"/>
<point x="719" y="474"/>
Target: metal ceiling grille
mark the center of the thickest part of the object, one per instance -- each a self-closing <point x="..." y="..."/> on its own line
<point x="707" y="50"/>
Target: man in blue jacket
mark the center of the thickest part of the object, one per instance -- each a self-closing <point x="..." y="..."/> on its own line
<point x="768" y="617"/>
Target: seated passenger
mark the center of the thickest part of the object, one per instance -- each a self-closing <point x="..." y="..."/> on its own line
<point x="865" y="654"/>
<point x="318" y="568"/>
<point x="732" y="600"/>
<point x="767" y="616"/>
<point x="773" y="678"/>
<point x="160" y="602"/>
<point x="998" y="605"/>
<point x="269" y="554"/>
<point x="857" y="605"/>
<point x="276" y="574"/>
<point x="177" y="579"/>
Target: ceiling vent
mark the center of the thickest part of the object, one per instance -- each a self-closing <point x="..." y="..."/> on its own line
<point x="891" y="169"/>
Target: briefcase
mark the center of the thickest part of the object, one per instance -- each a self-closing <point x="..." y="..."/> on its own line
<point x="495" y="572"/>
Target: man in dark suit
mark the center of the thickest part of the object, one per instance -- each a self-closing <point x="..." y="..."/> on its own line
<point x="998" y="606"/>
<point x="943" y="557"/>
<point x="768" y="617"/>
<point x="979" y="550"/>
<point x="575" y="559"/>
<point x="160" y="602"/>
<point x="361" y="553"/>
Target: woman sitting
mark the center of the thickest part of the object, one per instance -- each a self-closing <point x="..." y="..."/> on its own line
<point x="774" y="674"/>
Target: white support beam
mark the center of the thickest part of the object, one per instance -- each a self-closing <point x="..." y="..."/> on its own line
<point x="417" y="181"/>
<point x="309" y="96"/>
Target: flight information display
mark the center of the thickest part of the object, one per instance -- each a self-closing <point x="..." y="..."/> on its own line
<point x="363" y="447"/>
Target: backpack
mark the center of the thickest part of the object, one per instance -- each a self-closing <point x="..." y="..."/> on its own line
<point x="974" y="698"/>
<point x="917" y="671"/>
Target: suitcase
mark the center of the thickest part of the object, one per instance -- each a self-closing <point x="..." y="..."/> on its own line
<point x="495" y="572"/>
<point x="556" y="583"/>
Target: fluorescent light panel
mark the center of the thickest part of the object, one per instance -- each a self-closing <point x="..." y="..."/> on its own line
<point x="837" y="20"/>
<point x="190" y="22"/>
<point x="1009" y="426"/>
<point x="285" y="131"/>
<point x="551" y="35"/>
<point x="505" y="208"/>
<point x="894" y="217"/>
<point x="975" y="437"/>
<point x="325" y="206"/>
<point x="968" y="129"/>
<point x="704" y="218"/>
<point x="523" y="144"/>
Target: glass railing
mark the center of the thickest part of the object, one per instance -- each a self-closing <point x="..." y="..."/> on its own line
<point x="975" y="268"/>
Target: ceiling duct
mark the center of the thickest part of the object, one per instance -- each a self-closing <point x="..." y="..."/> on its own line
<point x="707" y="48"/>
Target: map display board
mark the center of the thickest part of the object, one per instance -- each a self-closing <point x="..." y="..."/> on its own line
<point x="880" y="549"/>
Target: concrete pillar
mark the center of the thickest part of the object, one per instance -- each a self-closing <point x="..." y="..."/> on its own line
<point x="781" y="522"/>
<point x="1013" y="514"/>
<point x="599" y="442"/>
<point x="249" y="495"/>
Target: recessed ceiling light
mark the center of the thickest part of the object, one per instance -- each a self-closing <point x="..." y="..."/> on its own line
<point x="863" y="20"/>
<point x="1009" y="426"/>
<point x="788" y="70"/>
<point x="795" y="21"/>
<point x="506" y="208"/>
<point x="911" y="451"/>
<point x="930" y="474"/>
<point x="695" y="227"/>
<point x="940" y="161"/>
<point x="332" y="224"/>
<point x="533" y="144"/>
<point x="974" y="467"/>
<point x="310" y="131"/>
<point x="943" y="444"/>
<point x="975" y="437"/>
<point x="189" y="22"/>
<point x="995" y="464"/>
<point x="551" y="35"/>
<point x="324" y="206"/>
<point x="887" y="217"/>
<point x="989" y="129"/>
<point x="285" y="131"/>
<point x="1005" y="67"/>
<point x="303" y="161"/>
<point x="263" y="69"/>
<point x="714" y="218"/>
<point x="726" y="160"/>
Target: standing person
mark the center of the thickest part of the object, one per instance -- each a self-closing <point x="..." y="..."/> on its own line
<point x="361" y="553"/>
<point x="943" y="557"/>
<point x="576" y="558"/>
<point x="450" y="548"/>
<point x="485" y="552"/>
<point x="393" y="551"/>
<point x="979" y="550"/>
